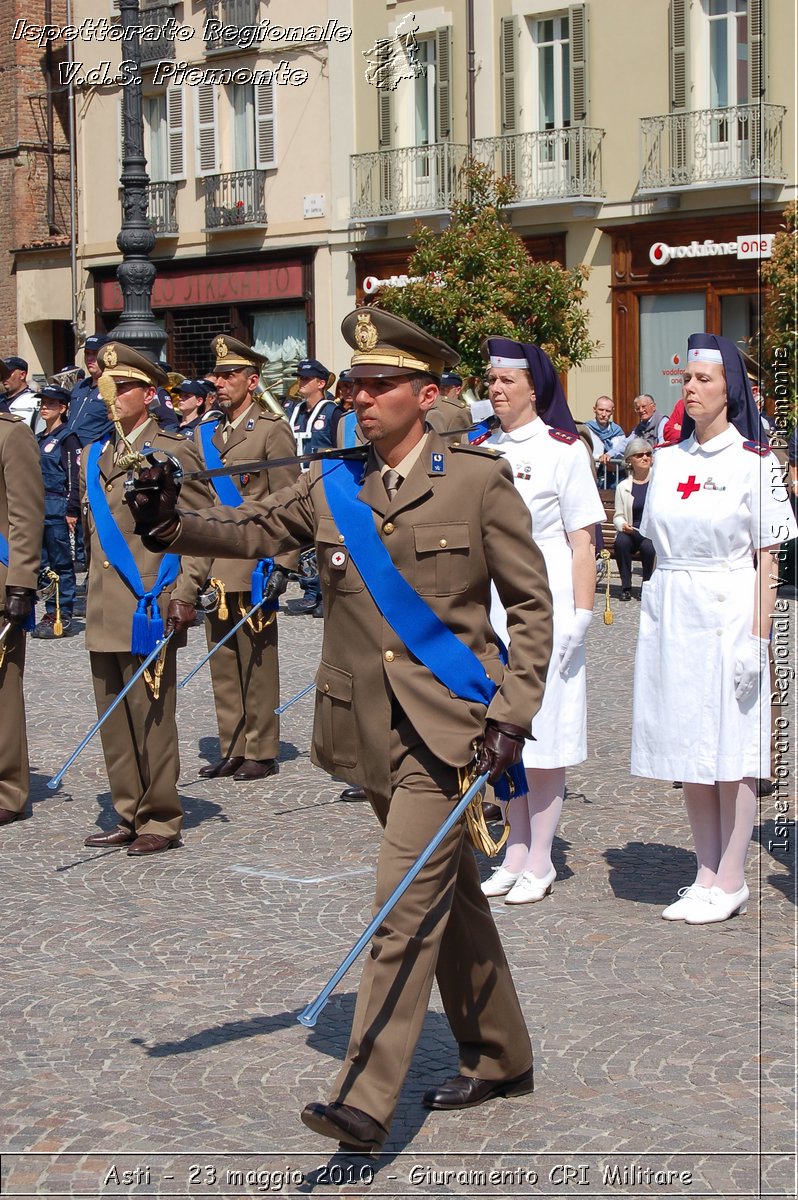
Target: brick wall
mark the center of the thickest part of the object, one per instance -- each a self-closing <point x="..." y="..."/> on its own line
<point x="34" y="164"/>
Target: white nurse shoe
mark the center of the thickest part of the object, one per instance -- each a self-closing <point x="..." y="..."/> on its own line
<point x="529" y="889"/>
<point x="500" y="882"/>
<point x="718" y="906"/>
<point x="680" y="908"/>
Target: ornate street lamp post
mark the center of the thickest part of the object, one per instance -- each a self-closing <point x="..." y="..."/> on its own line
<point x="136" y="240"/>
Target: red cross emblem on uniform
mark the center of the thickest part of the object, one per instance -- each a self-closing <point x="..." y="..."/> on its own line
<point x="688" y="487"/>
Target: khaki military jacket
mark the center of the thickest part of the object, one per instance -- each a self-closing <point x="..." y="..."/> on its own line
<point x="110" y="604"/>
<point x="447" y="415"/>
<point x="21" y="503"/>
<point x="449" y="534"/>
<point x="262" y="435"/>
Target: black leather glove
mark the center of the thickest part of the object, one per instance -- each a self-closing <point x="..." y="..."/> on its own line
<point x="19" y="604"/>
<point x="180" y="616"/>
<point x="278" y="582"/>
<point x="153" y="498"/>
<point x="502" y="747"/>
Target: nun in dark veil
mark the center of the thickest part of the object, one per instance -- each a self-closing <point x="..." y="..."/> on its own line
<point x="716" y="511"/>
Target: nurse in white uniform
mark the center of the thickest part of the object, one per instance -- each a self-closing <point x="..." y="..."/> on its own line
<point x="553" y="473"/>
<point x="716" y="511"/>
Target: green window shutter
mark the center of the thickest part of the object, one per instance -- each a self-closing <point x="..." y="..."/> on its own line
<point x="265" y="132"/>
<point x="508" y="52"/>
<point x="443" y="84"/>
<point x="757" y="65"/>
<point x="577" y="32"/>
<point x="679" y="22"/>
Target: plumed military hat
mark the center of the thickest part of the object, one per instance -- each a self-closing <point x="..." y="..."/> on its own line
<point x="385" y="345"/>
<point x="741" y="407"/>
<point x="231" y="355"/>
<point x="123" y="362"/>
<point x="550" y="400"/>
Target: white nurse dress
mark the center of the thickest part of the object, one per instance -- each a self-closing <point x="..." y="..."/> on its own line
<point x="553" y="474"/>
<point x="709" y="508"/>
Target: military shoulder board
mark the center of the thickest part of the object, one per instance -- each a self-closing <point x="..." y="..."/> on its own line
<point x="562" y="435"/>
<point x="757" y="448"/>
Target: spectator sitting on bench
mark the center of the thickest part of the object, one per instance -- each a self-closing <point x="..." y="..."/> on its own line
<point x="608" y="441"/>
<point x="630" y="496"/>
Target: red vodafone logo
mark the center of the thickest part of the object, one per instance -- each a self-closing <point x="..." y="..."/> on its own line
<point x="659" y="254"/>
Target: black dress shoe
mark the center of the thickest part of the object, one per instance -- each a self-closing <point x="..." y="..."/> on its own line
<point x="254" y="768"/>
<point x="466" y="1092"/>
<point x="626" y="594"/>
<point x="120" y="836"/>
<point x="227" y="766"/>
<point x="353" y="793"/>
<point x="350" y="1126"/>
<point x="318" y="609"/>
<point x="303" y="606"/>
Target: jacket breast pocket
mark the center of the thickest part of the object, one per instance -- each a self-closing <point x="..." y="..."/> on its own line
<point x="441" y="558"/>
<point x="336" y="569"/>
<point x="335" y="724"/>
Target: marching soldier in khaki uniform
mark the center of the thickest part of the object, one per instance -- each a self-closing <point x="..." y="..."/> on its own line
<point x="21" y="525"/>
<point x="245" y="671"/>
<point x="448" y="520"/>
<point x="140" y="737"/>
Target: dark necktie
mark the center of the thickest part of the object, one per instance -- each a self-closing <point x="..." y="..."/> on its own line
<point x="391" y="479"/>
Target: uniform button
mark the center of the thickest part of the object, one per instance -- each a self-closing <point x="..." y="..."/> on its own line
<point x="326" y="687"/>
<point x="389" y="655"/>
<point x="109" y="487"/>
<point x="443" y="543"/>
<point x="388" y="527"/>
<point x="106" y="563"/>
<point x="341" y="538"/>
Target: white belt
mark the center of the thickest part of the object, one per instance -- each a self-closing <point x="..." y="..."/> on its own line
<point x="704" y="564"/>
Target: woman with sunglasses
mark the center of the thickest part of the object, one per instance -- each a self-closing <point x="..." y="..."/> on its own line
<point x="716" y="512"/>
<point x="630" y="497"/>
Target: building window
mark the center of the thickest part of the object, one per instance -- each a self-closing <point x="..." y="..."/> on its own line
<point x="253" y="126"/>
<point x="155" y="138"/>
<point x="554" y="73"/>
<point x="728" y="52"/>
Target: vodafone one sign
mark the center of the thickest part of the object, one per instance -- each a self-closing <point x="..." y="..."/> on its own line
<point x="749" y="245"/>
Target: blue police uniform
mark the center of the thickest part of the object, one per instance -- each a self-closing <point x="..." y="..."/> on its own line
<point x="88" y="417"/>
<point x="60" y="461"/>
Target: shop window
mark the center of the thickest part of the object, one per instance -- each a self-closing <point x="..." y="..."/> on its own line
<point x="666" y="322"/>
<point x="739" y="317"/>
<point x="282" y="336"/>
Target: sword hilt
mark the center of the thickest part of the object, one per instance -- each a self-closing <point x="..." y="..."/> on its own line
<point x="155" y="458"/>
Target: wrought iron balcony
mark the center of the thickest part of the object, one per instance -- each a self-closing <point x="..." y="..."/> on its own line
<point x="236" y="13"/>
<point x="413" y="179"/>
<point x="162" y="208"/>
<point x="552" y="164"/>
<point x="712" y="145"/>
<point x="163" y="48"/>
<point x="235" y="200"/>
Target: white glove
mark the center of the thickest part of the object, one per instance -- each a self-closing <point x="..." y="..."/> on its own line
<point x="749" y="667"/>
<point x="573" y="638"/>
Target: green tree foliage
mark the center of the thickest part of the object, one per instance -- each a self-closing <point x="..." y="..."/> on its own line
<point x="778" y="340"/>
<point x="477" y="280"/>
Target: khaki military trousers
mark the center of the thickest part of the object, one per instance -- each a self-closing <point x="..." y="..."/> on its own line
<point x="14" y="771"/>
<point x="441" y="928"/>
<point x="246" y="683"/>
<point x="140" y="743"/>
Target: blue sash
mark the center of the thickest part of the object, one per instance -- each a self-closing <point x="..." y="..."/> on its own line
<point x="349" y="421"/>
<point x="423" y="632"/>
<point x="223" y="485"/>
<point x="147" y="628"/>
<point x="479" y="432"/>
<point x="29" y="623"/>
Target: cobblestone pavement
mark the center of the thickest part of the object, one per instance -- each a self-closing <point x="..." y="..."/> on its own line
<point x="149" y="1033"/>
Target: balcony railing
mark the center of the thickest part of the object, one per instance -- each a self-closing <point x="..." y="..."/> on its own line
<point x="712" y="145"/>
<point x="155" y="16"/>
<point x="236" y="13"/>
<point x="235" y="200"/>
<point x="162" y="207"/>
<point x="552" y="164"/>
<point x="413" y="179"/>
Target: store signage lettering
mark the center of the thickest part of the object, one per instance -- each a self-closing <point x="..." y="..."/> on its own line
<point x="218" y="285"/>
<point x="748" y="245"/>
